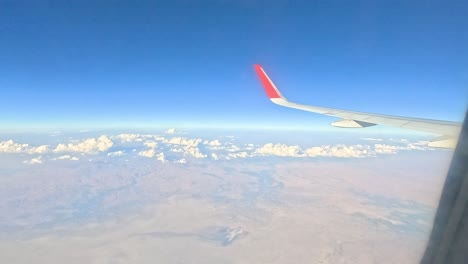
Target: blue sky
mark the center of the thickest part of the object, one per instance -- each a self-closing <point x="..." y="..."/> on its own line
<point x="128" y="63"/>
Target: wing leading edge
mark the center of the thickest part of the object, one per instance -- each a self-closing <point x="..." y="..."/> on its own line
<point x="353" y="119"/>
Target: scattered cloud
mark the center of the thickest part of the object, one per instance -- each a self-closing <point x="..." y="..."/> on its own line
<point x="171" y="131"/>
<point x="36" y="160"/>
<point x="176" y="150"/>
<point x="232" y="148"/>
<point x="38" y="150"/>
<point x="391" y="149"/>
<point x="399" y="140"/>
<point x="340" y="151"/>
<point x="242" y="154"/>
<point x="151" y="144"/>
<point x="214" y="143"/>
<point x="183" y="141"/>
<point x="280" y="150"/>
<point x="130" y="137"/>
<point x="155" y="146"/>
<point x="88" y="146"/>
<point x="182" y="161"/>
<point x="66" y="157"/>
<point x="386" y="149"/>
<point x="186" y="145"/>
<point x="150" y="153"/>
<point x="116" y="153"/>
<point x="161" y="157"/>
<point x="10" y="146"/>
<point x="147" y="153"/>
<point x="372" y="139"/>
<point x="249" y="146"/>
<point x="194" y="152"/>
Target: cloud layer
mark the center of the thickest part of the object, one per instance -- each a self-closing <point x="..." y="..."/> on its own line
<point x="178" y="149"/>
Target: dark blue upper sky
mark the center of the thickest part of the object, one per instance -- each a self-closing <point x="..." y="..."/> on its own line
<point x="100" y="63"/>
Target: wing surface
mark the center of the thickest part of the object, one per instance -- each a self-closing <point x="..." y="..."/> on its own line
<point x="353" y="119"/>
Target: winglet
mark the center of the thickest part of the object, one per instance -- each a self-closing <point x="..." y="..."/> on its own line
<point x="269" y="86"/>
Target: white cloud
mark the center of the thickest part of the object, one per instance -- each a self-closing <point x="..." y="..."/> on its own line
<point x="66" y="157"/>
<point x="116" y="153"/>
<point x="152" y="153"/>
<point x="194" y="151"/>
<point x="190" y="147"/>
<point x="280" y="150"/>
<point x="339" y="151"/>
<point x="182" y="161"/>
<point x="248" y="146"/>
<point x="37" y="160"/>
<point x="315" y="151"/>
<point x="161" y="157"/>
<point x="130" y="137"/>
<point x="187" y="146"/>
<point x="242" y="154"/>
<point x="232" y="148"/>
<point x="399" y="140"/>
<point x="386" y="149"/>
<point x="38" y="150"/>
<point x="90" y="145"/>
<point x="10" y="146"/>
<point x="171" y="131"/>
<point x="147" y="153"/>
<point x="176" y="150"/>
<point x="151" y="144"/>
<point x="390" y="149"/>
<point x="214" y="143"/>
<point x="372" y="139"/>
<point x="183" y="141"/>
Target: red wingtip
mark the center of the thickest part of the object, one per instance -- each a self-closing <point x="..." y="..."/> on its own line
<point x="266" y="82"/>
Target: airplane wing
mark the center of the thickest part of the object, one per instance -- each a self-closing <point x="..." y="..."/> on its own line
<point x="352" y="119"/>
